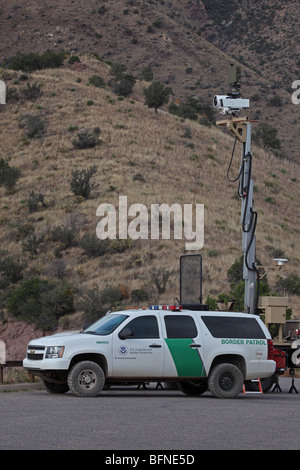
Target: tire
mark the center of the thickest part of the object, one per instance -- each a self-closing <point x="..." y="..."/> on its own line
<point x="54" y="388"/>
<point x="86" y="379"/>
<point x="193" y="388"/>
<point x="225" y="381"/>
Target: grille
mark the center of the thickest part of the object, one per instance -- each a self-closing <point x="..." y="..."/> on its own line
<point x="33" y="356"/>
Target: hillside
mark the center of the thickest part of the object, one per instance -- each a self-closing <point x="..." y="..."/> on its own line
<point x="151" y="158"/>
<point x="188" y="43"/>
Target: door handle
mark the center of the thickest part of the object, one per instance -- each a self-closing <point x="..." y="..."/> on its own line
<point x="154" y="345"/>
<point x="194" y="345"/>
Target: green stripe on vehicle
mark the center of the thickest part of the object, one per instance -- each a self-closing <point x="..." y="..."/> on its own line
<point x="187" y="360"/>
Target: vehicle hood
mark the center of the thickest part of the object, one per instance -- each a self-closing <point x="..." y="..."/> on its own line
<point x="62" y="339"/>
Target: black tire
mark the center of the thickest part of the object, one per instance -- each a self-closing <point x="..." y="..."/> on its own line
<point x="86" y="379"/>
<point x="54" y="388"/>
<point x="225" y="381"/>
<point x="193" y="388"/>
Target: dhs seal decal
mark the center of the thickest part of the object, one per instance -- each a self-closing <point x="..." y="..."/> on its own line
<point x="123" y="350"/>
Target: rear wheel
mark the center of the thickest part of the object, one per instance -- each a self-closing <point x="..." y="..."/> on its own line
<point x="86" y="379"/>
<point x="226" y="381"/>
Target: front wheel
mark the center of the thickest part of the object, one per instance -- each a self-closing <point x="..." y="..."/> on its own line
<point x="86" y="379"/>
<point x="226" y="381"/>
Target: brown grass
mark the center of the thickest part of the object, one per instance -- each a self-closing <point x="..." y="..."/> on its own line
<point x="136" y="141"/>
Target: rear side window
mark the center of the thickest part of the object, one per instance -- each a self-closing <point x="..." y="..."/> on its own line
<point x="233" y="327"/>
<point x="180" y="326"/>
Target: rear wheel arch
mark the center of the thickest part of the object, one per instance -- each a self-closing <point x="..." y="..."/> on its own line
<point x="235" y="359"/>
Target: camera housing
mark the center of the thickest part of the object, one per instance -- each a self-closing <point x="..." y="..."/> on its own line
<point x="230" y="104"/>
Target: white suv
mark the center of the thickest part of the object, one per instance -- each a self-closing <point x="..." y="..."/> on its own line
<point x="199" y="350"/>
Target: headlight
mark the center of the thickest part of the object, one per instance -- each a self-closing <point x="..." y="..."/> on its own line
<point x="54" y="352"/>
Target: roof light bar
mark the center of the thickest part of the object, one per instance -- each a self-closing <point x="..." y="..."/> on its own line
<point x="166" y="307"/>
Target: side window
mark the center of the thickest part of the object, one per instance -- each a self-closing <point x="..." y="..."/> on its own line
<point x="180" y="326"/>
<point x="143" y="327"/>
<point x="233" y="327"/>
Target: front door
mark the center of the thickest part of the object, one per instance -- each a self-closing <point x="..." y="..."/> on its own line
<point x="138" y="350"/>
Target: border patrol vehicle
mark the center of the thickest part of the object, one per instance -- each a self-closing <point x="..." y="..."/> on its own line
<point x="199" y="350"/>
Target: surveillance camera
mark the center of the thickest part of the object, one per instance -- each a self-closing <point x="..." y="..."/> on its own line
<point x="230" y="105"/>
<point x="280" y="261"/>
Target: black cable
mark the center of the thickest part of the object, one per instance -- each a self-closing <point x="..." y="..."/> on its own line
<point x="230" y="163"/>
<point x="243" y="191"/>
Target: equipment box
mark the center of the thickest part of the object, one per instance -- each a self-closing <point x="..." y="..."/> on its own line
<point x="279" y="357"/>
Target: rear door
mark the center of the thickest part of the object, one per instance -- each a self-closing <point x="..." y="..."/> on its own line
<point x="183" y="357"/>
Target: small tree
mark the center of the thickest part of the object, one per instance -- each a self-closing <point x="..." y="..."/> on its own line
<point x="266" y="135"/>
<point x="157" y="95"/>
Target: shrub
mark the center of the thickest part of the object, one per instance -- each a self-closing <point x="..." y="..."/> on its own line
<point x="86" y="139"/>
<point x="34" y="125"/>
<point x="139" y="295"/>
<point x="289" y="285"/>
<point x="12" y="268"/>
<point x="159" y="278"/>
<point x="73" y="59"/>
<point x="95" y="302"/>
<point x="41" y="301"/>
<point x="124" y="86"/>
<point x="9" y="176"/>
<point x="32" y="243"/>
<point x="31" y="92"/>
<point x="30" y="61"/>
<point x="97" y="81"/>
<point x="147" y="74"/>
<point x="64" y="234"/>
<point x="266" y="135"/>
<point x="35" y="201"/>
<point x="92" y="246"/>
<point x="81" y="184"/>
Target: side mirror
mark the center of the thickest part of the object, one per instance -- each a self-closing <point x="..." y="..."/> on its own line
<point x="125" y="333"/>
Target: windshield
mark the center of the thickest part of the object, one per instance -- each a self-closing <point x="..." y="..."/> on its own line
<point x="106" y="324"/>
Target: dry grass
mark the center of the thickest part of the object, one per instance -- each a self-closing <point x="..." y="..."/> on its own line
<point x="136" y="141"/>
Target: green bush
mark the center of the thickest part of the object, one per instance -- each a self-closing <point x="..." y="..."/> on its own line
<point x="97" y="81"/>
<point x="86" y="139"/>
<point x="92" y="246"/>
<point x="30" y="61"/>
<point x="41" y="302"/>
<point x="9" y="176"/>
<point x="12" y="268"/>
